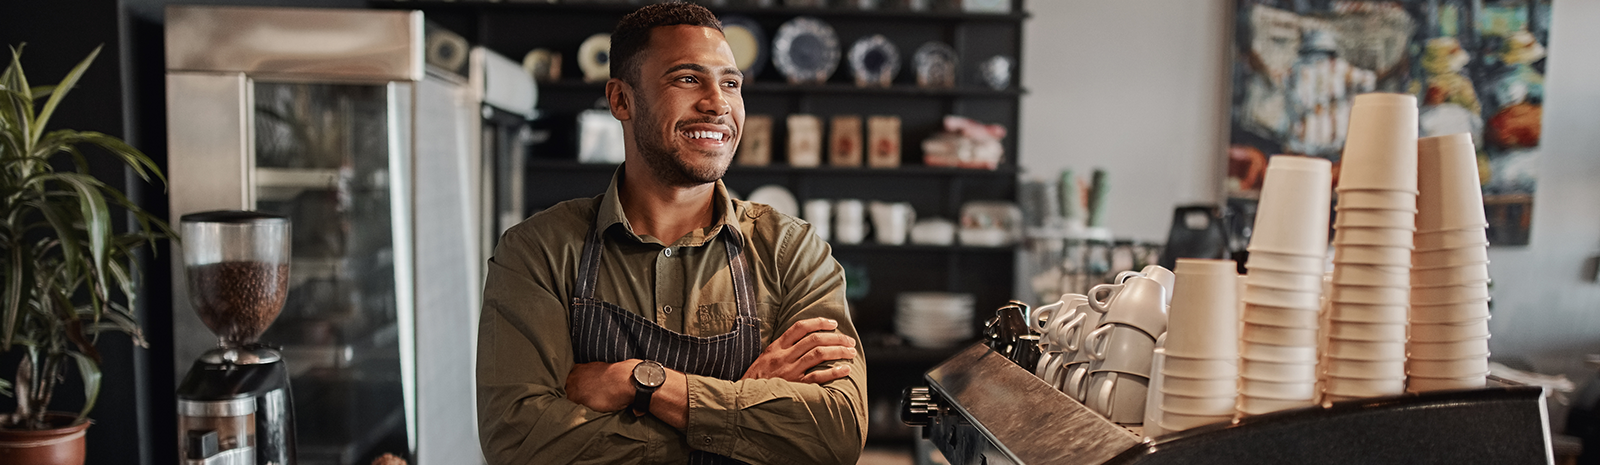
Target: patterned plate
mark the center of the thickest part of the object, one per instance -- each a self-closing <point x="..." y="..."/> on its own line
<point x="806" y="50"/>
<point x="936" y="65"/>
<point x="748" y="41"/>
<point x="874" y="61"/>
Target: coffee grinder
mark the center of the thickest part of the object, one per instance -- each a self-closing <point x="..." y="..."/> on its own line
<point x="234" y="405"/>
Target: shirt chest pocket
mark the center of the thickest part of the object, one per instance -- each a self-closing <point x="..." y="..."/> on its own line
<point x="712" y="319"/>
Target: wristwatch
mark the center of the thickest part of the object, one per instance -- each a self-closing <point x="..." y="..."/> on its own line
<point x="648" y="376"/>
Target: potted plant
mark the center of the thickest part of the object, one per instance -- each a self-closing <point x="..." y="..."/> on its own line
<point x="65" y="276"/>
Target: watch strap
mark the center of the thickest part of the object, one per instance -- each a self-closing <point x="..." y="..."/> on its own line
<point x="641" y="397"/>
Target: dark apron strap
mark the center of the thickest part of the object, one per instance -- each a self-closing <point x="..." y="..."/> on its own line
<point x="744" y="297"/>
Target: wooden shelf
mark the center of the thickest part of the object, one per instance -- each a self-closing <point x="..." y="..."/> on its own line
<point x="621" y="9"/>
<point x="919" y="248"/>
<point x="768" y="87"/>
<point x="903" y="170"/>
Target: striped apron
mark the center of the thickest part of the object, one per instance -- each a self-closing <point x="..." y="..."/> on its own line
<point x="603" y="332"/>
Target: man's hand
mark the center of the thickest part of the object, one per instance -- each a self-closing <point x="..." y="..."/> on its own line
<point x="603" y="387"/>
<point x="802" y="347"/>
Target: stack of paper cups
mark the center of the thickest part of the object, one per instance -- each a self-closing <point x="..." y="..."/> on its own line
<point x="1449" y="341"/>
<point x="1365" y="350"/>
<point x="1282" y="293"/>
<point x="1200" y="371"/>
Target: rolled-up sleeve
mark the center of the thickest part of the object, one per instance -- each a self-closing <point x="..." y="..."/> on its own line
<point x="524" y="356"/>
<point x="776" y="421"/>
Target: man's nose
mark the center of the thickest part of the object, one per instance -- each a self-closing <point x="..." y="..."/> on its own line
<point x="715" y="104"/>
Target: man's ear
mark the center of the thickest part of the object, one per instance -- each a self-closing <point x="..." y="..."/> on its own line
<point x="619" y="96"/>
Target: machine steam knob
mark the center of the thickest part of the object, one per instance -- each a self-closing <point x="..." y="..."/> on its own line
<point x="918" y="407"/>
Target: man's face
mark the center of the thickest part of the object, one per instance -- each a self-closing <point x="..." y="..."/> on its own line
<point x="687" y="110"/>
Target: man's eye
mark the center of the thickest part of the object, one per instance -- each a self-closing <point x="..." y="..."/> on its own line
<point x="687" y="80"/>
<point x="731" y="84"/>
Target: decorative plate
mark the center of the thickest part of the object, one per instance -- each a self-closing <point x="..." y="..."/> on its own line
<point x="936" y="65"/>
<point x="806" y="50"/>
<point x="997" y="72"/>
<point x="874" y="61"/>
<point x="594" y="58"/>
<point x="748" y="41"/>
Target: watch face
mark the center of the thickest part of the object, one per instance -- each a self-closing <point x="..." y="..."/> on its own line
<point x="649" y="374"/>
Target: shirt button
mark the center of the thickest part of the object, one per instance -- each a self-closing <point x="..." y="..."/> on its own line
<point x="667" y="308"/>
<point x="706" y="440"/>
<point x="668" y="252"/>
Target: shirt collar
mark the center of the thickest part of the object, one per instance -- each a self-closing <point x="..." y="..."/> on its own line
<point x="724" y="210"/>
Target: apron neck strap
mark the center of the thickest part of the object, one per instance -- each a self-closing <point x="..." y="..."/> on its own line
<point x="733" y="240"/>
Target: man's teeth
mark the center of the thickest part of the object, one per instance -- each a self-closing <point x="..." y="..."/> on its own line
<point x="705" y="135"/>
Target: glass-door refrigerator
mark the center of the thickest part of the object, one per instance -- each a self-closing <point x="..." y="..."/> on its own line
<point x="339" y="120"/>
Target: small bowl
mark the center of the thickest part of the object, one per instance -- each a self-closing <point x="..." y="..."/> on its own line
<point x="1277" y="335"/>
<point x="1445" y="332"/>
<point x="1370" y="295"/>
<point x="1364" y="313"/>
<point x="1278" y="371"/>
<point x="1258" y="388"/>
<point x="1280" y="316"/>
<point x="1365" y="350"/>
<point x="1276" y="353"/>
<point x="1356" y="331"/>
<point x="1363" y="369"/>
<point x="1364" y="387"/>
<point x="1449" y="368"/>
<point x="1456" y="350"/>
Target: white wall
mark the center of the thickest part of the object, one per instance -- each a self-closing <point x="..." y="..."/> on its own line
<point x="1137" y="87"/>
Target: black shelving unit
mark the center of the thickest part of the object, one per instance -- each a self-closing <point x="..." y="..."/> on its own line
<point x="553" y="174"/>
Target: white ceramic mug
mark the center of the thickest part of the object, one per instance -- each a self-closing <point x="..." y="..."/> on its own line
<point x="819" y="213"/>
<point x="1139" y="302"/>
<point x="849" y="221"/>
<point x="892" y="221"/>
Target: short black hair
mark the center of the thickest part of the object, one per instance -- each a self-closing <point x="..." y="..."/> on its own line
<point x="632" y="35"/>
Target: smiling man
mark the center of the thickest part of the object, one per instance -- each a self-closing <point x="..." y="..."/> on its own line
<point x="663" y="321"/>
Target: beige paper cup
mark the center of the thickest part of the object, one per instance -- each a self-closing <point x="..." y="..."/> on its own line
<point x="1276" y="353"/>
<point x="1290" y="263"/>
<point x="1358" y="235"/>
<point x="1371" y="255"/>
<point x="1449" y="368"/>
<point x="1277" y="335"/>
<point x="1380" y="150"/>
<point x="1200" y="387"/>
<point x="1281" y="297"/>
<point x="1452" y="293"/>
<point x="1370" y="295"/>
<point x="1352" y="217"/>
<point x="1425" y="384"/>
<point x="1292" y="214"/>
<point x="1199" y="368"/>
<point x="1363" y="313"/>
<point x="1278" y="371"/>
<point x="1202" y="320"/>
<point x="1366" y="350"/>
<point x="1442" y="332"/>
<point x="1451" y="239"/>
<point x="1285" y="280"/>
<point x="1371" y="275"/>
<point x="1447" y="179"/>
<point x="1378" y="200"/>
<point x="1451" y="257"/>
<point x="1478" y="272"/>
<point x="1264" y="389"/>
<point x="1280" y="316"/>
<point x="1202" y="405"/>
<point x="1458" y="313"/>
<point x="1477" y="347"/>
<point x="1262" y="406"/>
<point x="1174" y="421"/>
<point x="1363" y="369"/>
<point x="1364" y="387"/>
<point x="1356" y="331"/>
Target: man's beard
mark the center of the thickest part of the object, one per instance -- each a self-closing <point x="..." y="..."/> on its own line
<point x="667" y="165"/>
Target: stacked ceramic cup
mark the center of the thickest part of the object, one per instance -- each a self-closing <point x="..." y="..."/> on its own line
<point x="1122" y="347"/>
<point x="1199" y="374"/>
<point x="1449" y="341"/>
<point x="1283" y="291"/>
<point x="1364" y="352"/>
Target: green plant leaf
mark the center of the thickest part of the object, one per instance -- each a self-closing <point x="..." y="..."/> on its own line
<point x="135" y="159"/>
<point x="22" y="108"/>
<point x="61" y="92"/>
<point x="62" y="222"/>
<point x="13" y="293"/>
<point x="96" y="217"/>
<point x="91" y="382"/>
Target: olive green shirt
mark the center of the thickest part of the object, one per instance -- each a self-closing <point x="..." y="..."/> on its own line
<point x="525" y="351"/>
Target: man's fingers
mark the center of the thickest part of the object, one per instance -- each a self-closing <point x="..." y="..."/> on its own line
<point x="814" y="340"/>
<point x="823" y="354"/>
<point x="803" y="327"/>
<point x="823" y="376"/>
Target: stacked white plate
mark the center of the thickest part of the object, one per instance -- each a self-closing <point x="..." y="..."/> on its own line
<point x="934" y="319"/>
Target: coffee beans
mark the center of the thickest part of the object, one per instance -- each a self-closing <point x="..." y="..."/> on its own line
<point x="238" y="300"/>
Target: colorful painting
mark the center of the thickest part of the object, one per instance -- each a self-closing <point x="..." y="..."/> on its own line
<point x="1475" y="66"/>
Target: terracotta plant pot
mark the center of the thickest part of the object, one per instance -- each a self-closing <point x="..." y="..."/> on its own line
<point x="59" y="446"/>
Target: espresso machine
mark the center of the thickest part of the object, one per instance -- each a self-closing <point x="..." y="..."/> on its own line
<point x="234" y="405"/>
